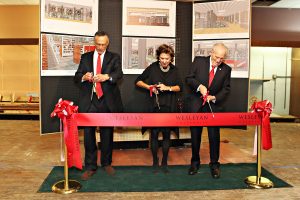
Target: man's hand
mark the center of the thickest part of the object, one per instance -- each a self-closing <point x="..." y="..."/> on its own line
<point x="210" y="98"/>
<point x="88" y="77"/>
<point x="100" y="77"/>
<point x="203" y="90"/>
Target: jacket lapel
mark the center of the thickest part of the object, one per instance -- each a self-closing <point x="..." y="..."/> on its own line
<point x="206" y="70"/>
<point x="107" y="57"/>
<point x="218" y="74"/>
<point x="90" y="65"/>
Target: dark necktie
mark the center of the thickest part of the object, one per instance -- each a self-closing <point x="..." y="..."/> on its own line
<point x="211" y="75"/>
<point x="99" y="91"/>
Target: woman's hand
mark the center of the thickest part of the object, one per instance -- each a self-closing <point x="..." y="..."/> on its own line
<point x="154" y="89"/>
<point x="162" y="87"/>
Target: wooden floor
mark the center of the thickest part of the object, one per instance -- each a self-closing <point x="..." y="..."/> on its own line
<point x="27" y="158"/>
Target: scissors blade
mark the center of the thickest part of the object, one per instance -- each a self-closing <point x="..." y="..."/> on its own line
<point x="92" y="91"/>
<point x="211" y="109"/>
<point x="156" y="99"/>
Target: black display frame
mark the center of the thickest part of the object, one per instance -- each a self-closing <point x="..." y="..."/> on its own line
<point x="134" y="99"/>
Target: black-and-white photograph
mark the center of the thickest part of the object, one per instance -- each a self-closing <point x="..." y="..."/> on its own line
<point x="69" y="17"/>
<point x="68" y="12"/>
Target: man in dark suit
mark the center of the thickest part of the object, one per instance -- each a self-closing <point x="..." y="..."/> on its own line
<point x="209" y="80"/>
<point x="97" y="77"/>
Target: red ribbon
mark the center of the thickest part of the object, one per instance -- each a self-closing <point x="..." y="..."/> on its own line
<point x="64" y="110"/>
<point x="166" y="119"/>
<point x="151" y="89"/>
<point x="264" y="110"/>
<point x="204" y="98"/>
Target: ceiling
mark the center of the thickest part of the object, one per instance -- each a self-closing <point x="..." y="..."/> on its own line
<point x="19" y="2"/>
<point x="287" y="4"/>
<point x="272" y="3"/>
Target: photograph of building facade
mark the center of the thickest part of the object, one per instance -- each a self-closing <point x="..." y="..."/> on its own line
<point x="69" y="12"/>
<point x="138" y="53"/>
<point x="148" y="16"/>
<point x="63" y="53"/>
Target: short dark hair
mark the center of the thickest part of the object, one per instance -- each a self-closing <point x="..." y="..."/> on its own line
<point x="164" y="48"/>
<point x="101" y="33"/>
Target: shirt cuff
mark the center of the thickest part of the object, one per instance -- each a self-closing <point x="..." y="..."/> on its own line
<point x="198" y="89"/>
<point x="214" y="101"/>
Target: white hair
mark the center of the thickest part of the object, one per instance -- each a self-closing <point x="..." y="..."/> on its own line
<point x="222" y="45"/>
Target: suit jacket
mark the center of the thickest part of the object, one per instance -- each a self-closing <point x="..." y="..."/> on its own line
<point x="112" y="66"/>
<point x="199" y="74"/>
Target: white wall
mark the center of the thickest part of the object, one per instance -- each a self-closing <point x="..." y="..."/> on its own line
<point x="265" y="62"/>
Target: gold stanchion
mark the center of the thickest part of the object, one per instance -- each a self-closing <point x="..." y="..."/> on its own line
<point x="258" y="181"/>
<point x="66" y="186"/>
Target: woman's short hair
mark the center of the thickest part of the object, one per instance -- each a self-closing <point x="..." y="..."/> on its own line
<point x="164" y="48"/>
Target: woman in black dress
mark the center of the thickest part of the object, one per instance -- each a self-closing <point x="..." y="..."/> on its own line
<point x="162" y="77"/>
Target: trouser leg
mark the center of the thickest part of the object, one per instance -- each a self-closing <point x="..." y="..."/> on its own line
<point x="90" y="148"/>
<point x="106" y="136"/>
<point x="196" y="133"/>
<point x="214" y="144"/>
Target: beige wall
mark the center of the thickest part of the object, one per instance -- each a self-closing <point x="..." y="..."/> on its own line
<point x="19" y="21"/>
<point x="19" y="67"/>
<point x="295" y="82"/>
<point x="19" y="64"/>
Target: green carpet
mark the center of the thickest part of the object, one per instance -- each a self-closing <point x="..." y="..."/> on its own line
<point x="142" y="179"/>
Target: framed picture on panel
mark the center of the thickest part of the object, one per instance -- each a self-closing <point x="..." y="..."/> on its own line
<point x="69" y="16"/>
<point x="222" y="19"/>
<point x="149" y="18"/>
<point x="237" y="58"/>
<point x="138" y="53"/>
<point x="61" y="54"/>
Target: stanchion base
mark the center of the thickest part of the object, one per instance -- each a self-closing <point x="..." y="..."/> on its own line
<point x="59" y="187"/>
<point x="264" y="183"/>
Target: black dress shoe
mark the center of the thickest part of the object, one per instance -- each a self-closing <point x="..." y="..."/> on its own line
<point x="165" y="169"/>
<point x="155" y="169"/>
<point x="193" y="170"/>
<point x="215" y="172"/>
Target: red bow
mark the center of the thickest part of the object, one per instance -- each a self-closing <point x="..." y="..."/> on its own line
<point x="64" y="110"/>
<point x="264" y="110"/>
